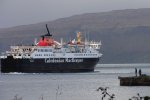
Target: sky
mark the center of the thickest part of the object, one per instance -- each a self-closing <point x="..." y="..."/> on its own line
<point x="24" y="12"/>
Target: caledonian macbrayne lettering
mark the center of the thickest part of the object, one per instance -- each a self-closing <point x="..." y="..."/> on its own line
<point x="48" y="60"/>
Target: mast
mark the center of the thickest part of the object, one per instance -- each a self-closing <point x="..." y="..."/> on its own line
<point x="48" y="31"/>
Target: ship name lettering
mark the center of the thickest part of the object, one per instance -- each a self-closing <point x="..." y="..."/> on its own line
<point x="74" y="60"/>
<point x="54" y="60"/>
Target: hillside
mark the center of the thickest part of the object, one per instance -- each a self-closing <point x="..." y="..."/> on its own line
<point x="125" y="34"/>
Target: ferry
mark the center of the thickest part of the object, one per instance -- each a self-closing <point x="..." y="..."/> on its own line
<point x="50" y="56"/>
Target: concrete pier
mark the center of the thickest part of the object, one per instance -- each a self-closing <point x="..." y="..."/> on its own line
<point x="143" y="80"/>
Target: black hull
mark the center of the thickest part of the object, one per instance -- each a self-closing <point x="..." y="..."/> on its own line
<point x="48" y="65"/>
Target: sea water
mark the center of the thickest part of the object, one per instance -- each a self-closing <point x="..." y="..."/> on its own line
<point x="73" y="86"/>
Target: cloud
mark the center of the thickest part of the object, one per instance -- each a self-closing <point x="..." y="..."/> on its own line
<point x="16" y="12"/>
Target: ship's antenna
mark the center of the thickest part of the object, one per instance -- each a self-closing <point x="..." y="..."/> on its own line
<point x="48" y="31"/>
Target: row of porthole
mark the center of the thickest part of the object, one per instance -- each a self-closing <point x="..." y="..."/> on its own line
<point x="20" y="55"/>
<point x="44" y="54"/>
<point x="44" y="50"/>
<point x="64" y="55"/>
<point x="85" y="54"/>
